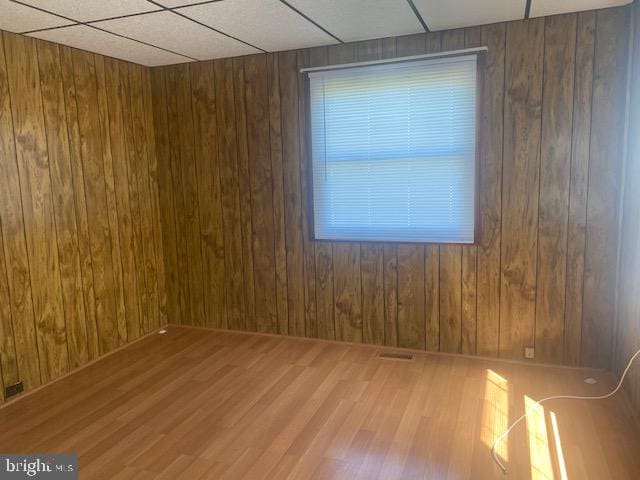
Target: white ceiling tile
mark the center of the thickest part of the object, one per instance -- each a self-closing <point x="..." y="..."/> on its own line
<point x="352" y="20"/>
<point x="260" y="23"/>
<point x="18" y="18"/>
<point x="175" y="33"/>
<point x="87" y="38"/>
<point x="445" y="14"/>
<point x="87" y="10"/>
<point x="540" y="8"/>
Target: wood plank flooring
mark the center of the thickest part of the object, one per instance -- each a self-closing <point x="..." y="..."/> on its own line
<point x="197" y="403"/>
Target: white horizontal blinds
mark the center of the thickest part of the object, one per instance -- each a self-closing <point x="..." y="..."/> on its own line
<point x="394" y="151"/>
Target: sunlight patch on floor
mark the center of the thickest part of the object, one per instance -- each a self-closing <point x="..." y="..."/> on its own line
<point x="539" y="453"/>
<point x="495" y="412"/>
<point x="559" y="453"/>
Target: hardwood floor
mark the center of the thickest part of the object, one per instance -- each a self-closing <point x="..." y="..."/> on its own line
<point x="197" y="403"/>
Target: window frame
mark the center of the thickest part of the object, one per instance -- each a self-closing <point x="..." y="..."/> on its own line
<point x="307" y="154"/>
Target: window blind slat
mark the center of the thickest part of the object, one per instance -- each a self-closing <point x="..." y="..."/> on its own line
<point x="393" y="151"/>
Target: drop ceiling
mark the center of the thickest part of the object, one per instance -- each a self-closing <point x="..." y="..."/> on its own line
<point x="163" y="32"/>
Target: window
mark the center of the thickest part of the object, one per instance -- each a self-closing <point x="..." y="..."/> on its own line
<point x="393" y="151"/>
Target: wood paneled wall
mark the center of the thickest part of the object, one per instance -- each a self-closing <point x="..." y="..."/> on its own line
<point x="628" y="334"/>
<point x="81" y="259"/>
<point x="232" y="163"/>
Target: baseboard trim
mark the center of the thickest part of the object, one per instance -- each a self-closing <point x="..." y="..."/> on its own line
<point x="399" y="349"/>
<point x="26" y="394"/>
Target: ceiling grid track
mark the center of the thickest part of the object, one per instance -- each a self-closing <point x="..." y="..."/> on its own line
<point x="420" y="17"/>
<point x="89" y="24"/>
<point x="173" y="10"/>
<point x="165" y="32"/>
<point x="309" y="19"/>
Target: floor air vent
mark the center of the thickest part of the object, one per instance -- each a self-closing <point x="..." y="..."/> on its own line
<point x="395" y="356"/>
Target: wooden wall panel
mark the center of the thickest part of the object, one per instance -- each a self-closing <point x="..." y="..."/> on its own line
<point x="288" y="66"/>
<point x="150" y="177"/>
<point x="607" y="134"/>
<point x="520" y="184"/>
<point x="628" y="318"/>
<point x="120" y="187"/>
<point x="277" y="176"/>
<point x="96" y="200"/>
<point x="8" y="364"/>
<point x="112" y="211"/>
<point x="139" y="180"/>
<point x="187" y="170"/>
<point x="555" y="164"/>
<point x="14" y="245"/>
<point x="230" y="194"/>
<point x="65" y="264"/>
<point x="90" y="340"/>
<point x="492" y="298"/>
<point x="204" y="115"/>
<point x="261" y="192"/>
<point x="37" y="204"/>
<point x="166" y="201"/>
<point x="176" y="192"/>
<point x="64" y="202"/>
<point x="244" y="182"/>
<point x="411" y="296"/>
<point x="583" y="83"/>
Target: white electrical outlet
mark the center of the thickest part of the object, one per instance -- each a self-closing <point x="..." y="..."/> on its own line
<point x="529" y="352"/>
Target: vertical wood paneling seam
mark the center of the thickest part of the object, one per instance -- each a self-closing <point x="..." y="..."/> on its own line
<point x="24" y="230"/>
<point x="126" y="106"/>
<point x="273" y="209"/>
<point x="126" y="167"/>
<point x="178" y="306"/>
<point x="246" y="140"/>
<point x="543" y="74"/>
<point x="197" y="185"/>
<point x="220" y="199"/>
<point x="175" y="217"/>
<point x="122" y="266"/>
<point x="588" y="177"/>
<point x="573" y="120"/>
<point x="11" y="321"/>
<point x="81" y="166"/>
<point x="109" y="249"/>
<point x="118" y="283"/>
<point x="136" y="84"/>
<point x="437" y="299"/>
<point x="333" y="292"/>
<point x="504" y="106"/>
<point x="75" y="203"/>
<point x="53" y="212"/>
<point x="1" y="375"/>
<point x="475" y="305"/>
<point x="284" y="210"/>
<point x="461" y="300"/>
